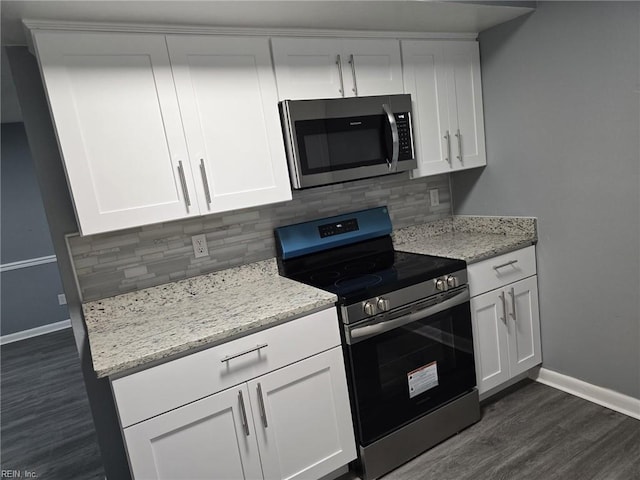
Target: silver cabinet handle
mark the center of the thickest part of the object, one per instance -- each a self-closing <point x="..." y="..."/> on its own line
<point x="502" y="265"/>
<point x="395" y="138"/>
<point x="448" y="138"/>
<point x="183" y="182"/>
<point x="513" y="304"/>
<point x="203" y="173"/>
<point x="236" y="355"/>
<point x="504" y="307"/>
<point x="459" y="135"/>
<point x="263" y="412"/>
<point x="339" y="63"/>
<point x="243" y="412"/>
<point x="353" y="74"/>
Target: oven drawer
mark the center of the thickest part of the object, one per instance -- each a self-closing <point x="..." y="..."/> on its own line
<point x="158" y="389"/>
<point x="499" y="271"/>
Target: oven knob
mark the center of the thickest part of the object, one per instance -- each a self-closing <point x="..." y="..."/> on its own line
<point x="441" y="285"/>
<point x="383" y="304"/>
<point x="452" y="281"/>
<point x="369" y="308"/>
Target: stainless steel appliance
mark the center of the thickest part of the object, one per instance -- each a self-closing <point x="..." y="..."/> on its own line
<point x="341" y="139"/>
<point x="406" y="333"/>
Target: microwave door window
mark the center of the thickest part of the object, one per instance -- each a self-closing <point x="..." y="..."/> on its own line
<point x="338" y="144"/>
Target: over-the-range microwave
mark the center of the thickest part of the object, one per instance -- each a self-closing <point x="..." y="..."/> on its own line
<point x="343" y="139"/>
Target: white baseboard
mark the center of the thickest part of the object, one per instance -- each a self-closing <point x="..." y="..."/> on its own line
<point x="34" y="332"/>
<point x="602" y="396"/>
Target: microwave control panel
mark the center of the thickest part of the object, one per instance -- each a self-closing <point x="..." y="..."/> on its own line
<point x="405" y="137"/>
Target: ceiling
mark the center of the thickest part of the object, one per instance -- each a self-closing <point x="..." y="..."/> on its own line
<point x="384" y="15"/>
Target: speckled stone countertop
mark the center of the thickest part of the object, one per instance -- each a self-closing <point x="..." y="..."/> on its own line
<point x="469" y="238"/>
<point x="138" y="328"/>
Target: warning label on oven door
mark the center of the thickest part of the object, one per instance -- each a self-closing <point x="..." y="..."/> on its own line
<point x="422" y="379"/>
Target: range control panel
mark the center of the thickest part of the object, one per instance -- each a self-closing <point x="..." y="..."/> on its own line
<point x="331" y="229"/>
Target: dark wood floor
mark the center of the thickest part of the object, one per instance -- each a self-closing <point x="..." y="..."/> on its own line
<point x="533" y="433"/>
<point x="45" y="422"/>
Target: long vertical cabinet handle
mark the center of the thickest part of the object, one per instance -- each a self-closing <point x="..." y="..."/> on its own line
<point x="183" y="182"/>
<point x="243" y="412"/>
<point x="263" y="412"/>
<point x="459" y="135"/>
<point x="353" y="74"/>
<point x="339" y="63"/>
<point x="512" y="292"/>
<point x="504" y="307"/>
<point x="448" y="138"/>
<point x="207" y="193"/>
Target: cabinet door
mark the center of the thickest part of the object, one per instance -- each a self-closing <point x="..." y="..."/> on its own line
<point x="202" y="440"/>
<point x="490" y="339"/>
<point x="425" y="78"/>
<point x="229" y="105"/>
<point x="303" y="418"/>
<point x="373" y="67"/>
<point x="524" y="345"/>
<point x="308" y="68"/>
<point x="465" y="104"/>
<point x="118" y="124"/>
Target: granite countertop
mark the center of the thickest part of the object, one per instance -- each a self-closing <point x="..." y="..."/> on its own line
<point x="469" y="238"/>
<point x="138" y="328"/>
<point x="152" y="325"/>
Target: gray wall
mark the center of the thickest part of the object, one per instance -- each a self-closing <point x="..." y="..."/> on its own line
<point x="561" y="94"/>
<point x="29" y="295"/>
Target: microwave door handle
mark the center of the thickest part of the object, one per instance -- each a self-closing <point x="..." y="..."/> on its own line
<point x="360" y="333"/>
<point x="395" y="139"/>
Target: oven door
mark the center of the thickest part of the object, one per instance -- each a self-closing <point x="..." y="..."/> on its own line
<point x="408" y="362"/>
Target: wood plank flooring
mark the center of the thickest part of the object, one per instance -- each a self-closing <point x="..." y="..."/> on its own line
<point x="533" y="433"/>
<point x="45" y="421"/>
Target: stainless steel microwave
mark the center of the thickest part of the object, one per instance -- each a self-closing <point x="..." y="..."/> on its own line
<point x="338" y="140"/>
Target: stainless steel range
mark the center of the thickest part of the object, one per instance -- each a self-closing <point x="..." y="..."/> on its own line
<point x="406" y="333"/>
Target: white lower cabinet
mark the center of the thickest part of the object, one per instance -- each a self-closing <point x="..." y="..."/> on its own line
<point x="293" y="422"/>
<point x="506" y="331"/>
<point x="203" y="440"/>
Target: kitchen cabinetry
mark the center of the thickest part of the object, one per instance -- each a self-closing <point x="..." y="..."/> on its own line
<point x="506" y="324"/>
<point x="443" y="78"/>
<point x="331" y="67"/>
<point x="154" y="128"/>
<point x="285" y="413"/>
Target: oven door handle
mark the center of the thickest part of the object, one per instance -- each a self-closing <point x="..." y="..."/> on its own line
<point x="363" y="332"/>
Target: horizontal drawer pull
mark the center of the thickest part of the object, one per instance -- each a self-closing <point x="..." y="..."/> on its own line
<point x="236" y="355"/>
<point x="510" y="262"/>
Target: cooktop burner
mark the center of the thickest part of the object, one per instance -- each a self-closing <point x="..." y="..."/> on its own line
<point x="353" y="277"/>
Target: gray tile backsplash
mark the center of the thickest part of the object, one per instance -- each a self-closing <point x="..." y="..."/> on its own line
<point x="127" y="260"/>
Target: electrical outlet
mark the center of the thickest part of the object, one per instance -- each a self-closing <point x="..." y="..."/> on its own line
<point x="200" y="248"/>
<point x="434" y="195"/>
<point x="62" y="299"/>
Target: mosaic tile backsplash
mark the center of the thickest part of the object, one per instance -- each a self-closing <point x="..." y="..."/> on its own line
<point x="127" y="260"/>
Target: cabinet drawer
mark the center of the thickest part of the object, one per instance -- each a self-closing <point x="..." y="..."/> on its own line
<point x="499" y="271"/>
<point x="170" y="385"/>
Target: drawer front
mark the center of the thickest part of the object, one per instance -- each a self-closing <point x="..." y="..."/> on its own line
<point x="499" y="271"/>
<point x="170" y="385"/>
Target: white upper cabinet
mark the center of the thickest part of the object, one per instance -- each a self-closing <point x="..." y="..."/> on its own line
<point x="443" y="78"/>
<point x="331" y="68"/>
<point x="228" y="100"/>
<point x="150" y="134"/>
<point x="118" y="125"/>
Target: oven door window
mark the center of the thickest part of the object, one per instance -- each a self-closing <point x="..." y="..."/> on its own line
<point x="404" y="373"/>
<point x="329" y="145"/>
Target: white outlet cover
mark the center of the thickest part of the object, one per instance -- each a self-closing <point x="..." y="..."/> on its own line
<point x="200" y="248"/>
<point x="62" y="299"/>
<point x="434" y="196"/>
